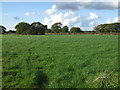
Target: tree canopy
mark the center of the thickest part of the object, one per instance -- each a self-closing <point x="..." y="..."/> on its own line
<point x="113" y="27"/>
<point x="65" y="29"/>
<point x="56" y="27"/>
<point x="2" y="29"/>
<point x="36" y="28"/>
<point x="75" y="29"/>
<point x="22" y="28"/>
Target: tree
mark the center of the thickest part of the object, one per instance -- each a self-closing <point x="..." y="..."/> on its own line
<point x="65" y="29"/>
<point x="22" y="28"/>
<point x="75" y="30"/>
<point x="37" y="28"/>
<point x="113" y="27"/>
<point x="2" y="29"/>
<point x="100" y="28"/>
<point x="56" y="27"/>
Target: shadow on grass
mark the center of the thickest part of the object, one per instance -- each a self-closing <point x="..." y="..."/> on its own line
<point x="41" y="80"/>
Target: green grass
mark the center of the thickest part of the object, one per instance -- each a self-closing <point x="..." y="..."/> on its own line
<point x="60" y="61"/>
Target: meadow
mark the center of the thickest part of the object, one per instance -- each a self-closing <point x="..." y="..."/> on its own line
<point x="59" y="61"/>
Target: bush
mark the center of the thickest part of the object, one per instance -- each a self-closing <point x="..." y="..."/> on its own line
<point x="75" y="30"/>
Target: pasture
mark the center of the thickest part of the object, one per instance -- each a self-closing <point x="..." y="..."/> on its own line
<point x="60" y="61"/>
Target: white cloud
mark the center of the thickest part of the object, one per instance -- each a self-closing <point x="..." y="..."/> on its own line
<point x="116" y="19"/>
<point x="108" y="21"/>
<point x="68" y="18"/>
<point x="93" y="16"/>
<point x="69" y="14"/>
<point x="91" y="23"/>
<point x="29" y="13"/>
<point x="52" y="10"/>
<point x="71" y="19"/>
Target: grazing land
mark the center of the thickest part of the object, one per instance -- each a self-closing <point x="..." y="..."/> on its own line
<point x="60" y="61"/>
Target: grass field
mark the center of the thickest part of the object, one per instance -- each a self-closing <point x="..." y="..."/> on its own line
<point x="60" y="61"/>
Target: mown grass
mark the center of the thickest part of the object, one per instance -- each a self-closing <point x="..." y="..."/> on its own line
<point x="60" y="61"/>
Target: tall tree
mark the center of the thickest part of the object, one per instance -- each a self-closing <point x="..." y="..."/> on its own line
<point x="22" y="28"/>
<point x="56" y="27"/>
<point x="65" y="29"/>
<point x="37" y="28"/>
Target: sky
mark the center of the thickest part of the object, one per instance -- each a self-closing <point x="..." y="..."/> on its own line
<point x="85" y="15"/>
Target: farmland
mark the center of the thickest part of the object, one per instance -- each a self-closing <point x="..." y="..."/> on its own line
<point x="60" y="61"/>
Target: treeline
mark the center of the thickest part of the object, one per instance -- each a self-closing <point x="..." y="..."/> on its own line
<point x="113" y="27"/>
<point x="37" y="28"/>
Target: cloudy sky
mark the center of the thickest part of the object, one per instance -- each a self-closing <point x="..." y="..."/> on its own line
<point x="83" y="14"/>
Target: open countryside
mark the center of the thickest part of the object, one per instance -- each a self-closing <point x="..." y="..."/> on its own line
<point x="56" y="51"/>
<point x="71" y="61"/>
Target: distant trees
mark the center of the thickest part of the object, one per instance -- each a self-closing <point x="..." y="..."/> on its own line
<point x="65" y="29"/>
<point x="2" y="29"/>
<point x="113" y="27"/>
<point x="36" y="28"/>
<point x="22" y="28"/>
<point x="56" y="27"/>
<point x="75" y="30"/>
